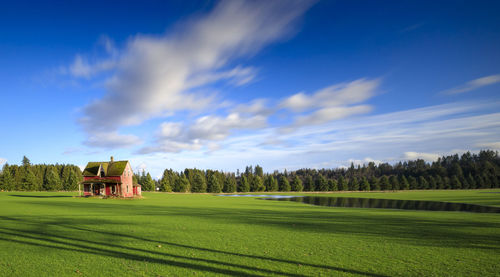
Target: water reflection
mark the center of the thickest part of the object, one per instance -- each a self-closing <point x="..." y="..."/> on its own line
<point x="351" y="202"/>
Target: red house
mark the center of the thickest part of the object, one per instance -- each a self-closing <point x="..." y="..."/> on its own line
<point x="113" y="178"/>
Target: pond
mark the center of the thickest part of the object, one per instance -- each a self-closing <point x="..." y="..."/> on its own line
<point x="350" y="202"/>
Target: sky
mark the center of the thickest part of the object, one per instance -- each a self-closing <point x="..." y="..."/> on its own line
<point x="226" y="84"/>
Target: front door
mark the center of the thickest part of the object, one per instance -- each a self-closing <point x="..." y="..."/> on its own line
<point x="108" y="190"/>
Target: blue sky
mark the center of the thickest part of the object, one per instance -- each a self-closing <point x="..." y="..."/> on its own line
<point x="225" y="84"/>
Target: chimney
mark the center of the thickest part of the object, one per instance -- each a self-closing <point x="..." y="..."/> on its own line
<point x="111" y="158"/>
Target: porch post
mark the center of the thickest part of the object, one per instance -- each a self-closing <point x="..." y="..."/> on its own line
<point x="79" y="189"/>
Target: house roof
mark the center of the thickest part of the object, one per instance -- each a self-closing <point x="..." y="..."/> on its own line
<point x="110" y="168"/>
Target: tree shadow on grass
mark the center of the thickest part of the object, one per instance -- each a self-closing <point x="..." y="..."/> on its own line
<point x="40" y="237"/>
<point x="40" y="196"/>
<point x="406" y="227"/>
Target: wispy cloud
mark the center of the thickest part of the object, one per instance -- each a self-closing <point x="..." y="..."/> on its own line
<point x="331" y="103"/>
<point x="156" y="76"/>
<point x="489" y="145"/>
<point x="429" y="157"/>
<point x="435" y="129"/>
<point x="428" y="132"/>
<point x="111" y="140"/>
<point x="412" y="27"/>
<point x="323" y="106"/>
<point x="474" y="84"/>
<point x="2" y="161"/>
<point x="175" y="137"/>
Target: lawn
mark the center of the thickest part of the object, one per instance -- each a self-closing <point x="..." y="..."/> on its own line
<point x="55" y="234"/>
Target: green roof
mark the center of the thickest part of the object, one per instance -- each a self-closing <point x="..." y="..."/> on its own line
<point x="116" y="168"/>
<point x="110" y="168"/>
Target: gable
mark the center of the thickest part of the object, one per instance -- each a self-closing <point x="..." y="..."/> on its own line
<point x="92" y="169"/>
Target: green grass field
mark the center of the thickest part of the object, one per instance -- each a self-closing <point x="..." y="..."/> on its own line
<point x="54" y="234"/>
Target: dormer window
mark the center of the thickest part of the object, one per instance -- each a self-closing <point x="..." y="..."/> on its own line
<point x="101" y="173"/>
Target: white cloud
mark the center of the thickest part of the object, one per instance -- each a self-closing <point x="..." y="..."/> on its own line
<point x="82" y="68"/>
<point x="331" y="103"/>
<point x="156" y="75"/>
<point x="428" y="157"/>
<point x="2" y="161"/>
<point x="328" y="114"/>
<point x="333" y="96"/>
<point x="489" y="145"/>
<point x="111" y="140"/>
<point x="255" y="107"/>
<point x="218" y="128"/>
<point x="438" y="130"/>
<point x="475" y="84"/>
<point x="362" y="162"/>
<point x="175" y="136"/>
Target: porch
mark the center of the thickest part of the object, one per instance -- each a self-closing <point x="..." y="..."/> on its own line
<point x="93" y="188"/>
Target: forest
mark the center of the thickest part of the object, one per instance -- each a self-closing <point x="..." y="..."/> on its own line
<point x="468" y="171"/>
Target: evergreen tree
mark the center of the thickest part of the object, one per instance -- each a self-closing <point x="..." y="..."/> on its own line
<point x="65" y="177"/>
<point x="73" y="180"/>
<point x="480" y="184"/>
<point x="439" y="182"/>
<point x="404" y="184"/>
<point x="296" y="184"/>
<point x="432" y="182"/>
<point x="342" y="183"/>
<point x="283" y="184"/>
<point x="353" y="184"/>
<point x="52" y="181"/>
<point x="181" y="184"/>
<point x="148" y="183"/>
<point x="142" y="180"/>
<point x="321" y="183"/>
<point x="199" y="183"/>
<point x="258" y="171"/>
<point x="243" y="185"/>
<point x="271" y="183"/>
<point x="26" y="162"/>
<point x="332" y="185"/>
<point x="256" y="183"/>
<point x="374" y="183"/>
<point x="213" y="184"/>
<point x="486" y="184"/>
<point x="29" y="181"/>
<point x="446" y="183"/>
<point x="7" y="179"/>
<point x="422" y="183"/>
<point x="471" y="181"/>
<point x="455" y="182"/>
<point x="365" y="185"/>
<point x="463" y="181"/>
<point x="167" y="180"/>
<point x="393" y="182"/>
<point x="309" y="183"/>
<point x="384" y="182"/>
<point x="413" y="182"/>
<point x="230" y="184"/>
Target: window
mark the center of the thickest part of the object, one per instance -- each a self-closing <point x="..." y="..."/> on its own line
<point x="127" y="189"/>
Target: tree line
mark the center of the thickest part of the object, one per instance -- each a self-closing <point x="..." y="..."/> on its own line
<point x="40" y="177"/>
<point x="468" y="171"/>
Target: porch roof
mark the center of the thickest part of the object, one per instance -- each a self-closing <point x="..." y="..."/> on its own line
<point x="101" y="180"/>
